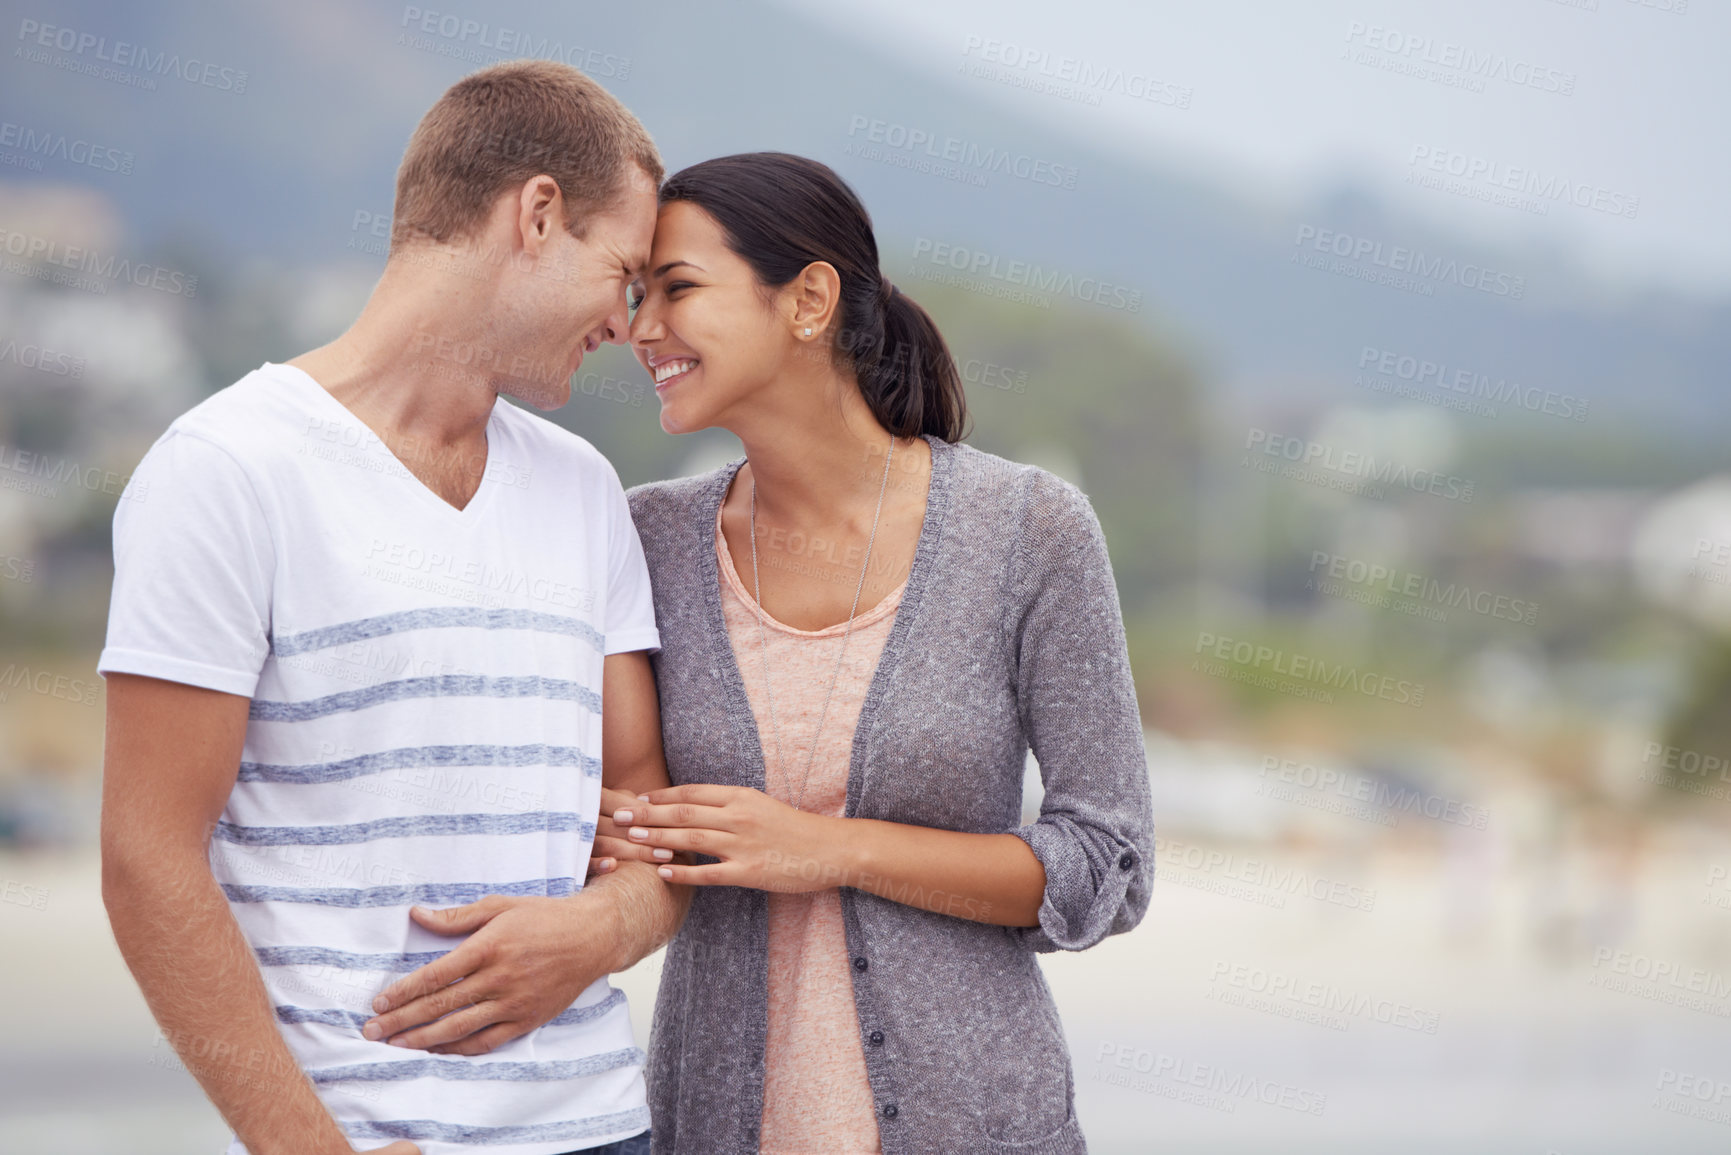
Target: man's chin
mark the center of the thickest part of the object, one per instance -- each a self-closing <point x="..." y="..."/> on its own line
<point x="544" y="399"/>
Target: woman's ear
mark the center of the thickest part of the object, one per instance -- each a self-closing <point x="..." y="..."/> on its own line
<point x="813" y="300"/>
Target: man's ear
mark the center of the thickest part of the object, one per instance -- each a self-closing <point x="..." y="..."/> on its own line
<point x="540" y="213"/>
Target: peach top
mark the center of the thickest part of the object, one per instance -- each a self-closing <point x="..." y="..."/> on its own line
<point x="816" y="1097"/>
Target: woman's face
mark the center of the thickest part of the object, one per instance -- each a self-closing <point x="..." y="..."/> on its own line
<point x="704" y="328"/>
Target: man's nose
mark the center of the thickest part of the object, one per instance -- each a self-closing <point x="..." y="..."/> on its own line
<point x="617" y="327"/>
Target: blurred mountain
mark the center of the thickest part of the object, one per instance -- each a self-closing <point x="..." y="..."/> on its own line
<point x="283" y="172"/>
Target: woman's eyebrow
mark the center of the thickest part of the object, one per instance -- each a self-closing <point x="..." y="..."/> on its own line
<point x="662" y="270"/>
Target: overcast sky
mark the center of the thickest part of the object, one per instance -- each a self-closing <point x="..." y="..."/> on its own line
<point x="1274" y="105"/>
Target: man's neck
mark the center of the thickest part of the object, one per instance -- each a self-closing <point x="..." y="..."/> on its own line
<point x="430" y="411"/>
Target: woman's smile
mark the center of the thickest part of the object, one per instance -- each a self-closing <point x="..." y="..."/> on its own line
<point x="671" y="369"/>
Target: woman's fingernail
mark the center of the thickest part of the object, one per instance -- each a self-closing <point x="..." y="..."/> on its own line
<point x="381" y="1004"/>
<point x="371" y="1032"/>
<point x="639" y="832"/>
<point x="665" y="872"/>
<point x="643" y="798"/>
<point x="623" y="816"/>
<point x="662" y="853"/>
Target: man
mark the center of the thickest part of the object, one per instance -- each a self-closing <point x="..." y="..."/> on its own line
<point x="378" y="640"/>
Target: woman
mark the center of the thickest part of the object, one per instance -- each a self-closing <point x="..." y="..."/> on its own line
<point x="864" y="625"/>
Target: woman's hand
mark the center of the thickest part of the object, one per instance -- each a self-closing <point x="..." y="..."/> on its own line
<point x="611" y="846"/>
<point x="762" y="843"/>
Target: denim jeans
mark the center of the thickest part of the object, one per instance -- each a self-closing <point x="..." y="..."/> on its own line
<point x="636" y="1145"/>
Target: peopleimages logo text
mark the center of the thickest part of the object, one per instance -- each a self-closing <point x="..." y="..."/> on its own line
<point x="979" y="263"/>
<point x="1353" y="463"/>
<point x="462" y="34"/>
<point x="124" y="54"/>
<point x="1088" y="78"/>
<point x="1502" y="391"/>
<point x="59" y="146"/>
<point x="1377" y="792"/>
<point x="1480" y="66"/>
<point x="1309" y="668"/>
<point x="1399" y="259"/>
<point x="962" y="152"/>
<point x="42" y="250"/>
<point x="1376" y="582"/>
<point x="1522" y="179"/>
<point x="42" y="360"/>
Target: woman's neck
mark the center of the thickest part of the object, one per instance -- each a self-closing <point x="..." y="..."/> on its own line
<point x="816" y="461"/>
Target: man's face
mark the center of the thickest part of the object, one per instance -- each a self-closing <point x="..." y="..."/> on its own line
<point x="573" y="298"/>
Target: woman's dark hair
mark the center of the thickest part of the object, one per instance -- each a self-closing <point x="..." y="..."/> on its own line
<point x="781" y="213"/>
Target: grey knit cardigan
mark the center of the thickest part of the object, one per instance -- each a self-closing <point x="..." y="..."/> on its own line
<point x="1008" y="635"/>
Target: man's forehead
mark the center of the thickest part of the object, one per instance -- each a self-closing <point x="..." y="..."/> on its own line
<point x="625" y="240"/>
<point x="638" y="235"/>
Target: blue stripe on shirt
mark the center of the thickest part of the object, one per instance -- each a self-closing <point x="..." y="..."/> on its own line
<point x="333" y="1017"/>
<point x="407" y="757"/>
<point x="347" y="960"/>
<point x="636" y="1119"/>
<point x="528" y="822"/>
<point x="433" y="618"/>
<point x="467" y="1070"/>
<point x="442" y="893"/>
<point x="442" y="686"/>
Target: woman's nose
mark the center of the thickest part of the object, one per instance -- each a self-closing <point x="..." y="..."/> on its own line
<point x="643" y="326"/>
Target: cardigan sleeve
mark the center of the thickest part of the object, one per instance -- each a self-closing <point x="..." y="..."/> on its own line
<point x="1095" y="832"/>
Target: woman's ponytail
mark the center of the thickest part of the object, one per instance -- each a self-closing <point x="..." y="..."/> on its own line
<point x="913" y="387"/>
<point x="781" y="213"/>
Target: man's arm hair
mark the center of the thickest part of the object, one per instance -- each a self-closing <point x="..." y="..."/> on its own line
<point x="632" y="760"/>
<point x="172" y="755"/>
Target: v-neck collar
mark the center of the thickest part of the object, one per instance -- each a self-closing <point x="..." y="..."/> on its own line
<point x="483" y="494"/>
<point x="907" y="613"/>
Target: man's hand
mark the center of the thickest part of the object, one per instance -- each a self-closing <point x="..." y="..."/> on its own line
<point x="526" y="960"/>
<point x="529" y="958"/>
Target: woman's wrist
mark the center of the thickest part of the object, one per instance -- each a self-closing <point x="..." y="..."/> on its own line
<point x="852" y="852"/>
<point x="849" y="849"/>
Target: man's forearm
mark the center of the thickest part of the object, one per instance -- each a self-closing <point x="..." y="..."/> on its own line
<point x="202" y="983"/>
<point x="648" y="911"/>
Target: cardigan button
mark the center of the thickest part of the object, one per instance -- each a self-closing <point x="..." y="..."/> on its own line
<point x="877" y="1038"/>
<point x="859" y="964"/>
<point x="1126" y="860"/>
<point x="889" y="1110"/>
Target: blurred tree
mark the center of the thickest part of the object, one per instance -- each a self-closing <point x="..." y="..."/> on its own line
<point x="1702" y="722"/>
<point x="1098" y="395"/>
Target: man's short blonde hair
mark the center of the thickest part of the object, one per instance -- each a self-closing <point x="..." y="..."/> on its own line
<point x="496" y="128"/>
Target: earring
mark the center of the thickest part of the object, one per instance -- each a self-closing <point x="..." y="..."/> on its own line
<point x="808" y="330"/>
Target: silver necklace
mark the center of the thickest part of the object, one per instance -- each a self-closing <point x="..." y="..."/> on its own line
<point x="763" y="637"/>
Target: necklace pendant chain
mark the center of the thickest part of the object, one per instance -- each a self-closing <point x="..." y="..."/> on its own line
<point x="763" y="636"/>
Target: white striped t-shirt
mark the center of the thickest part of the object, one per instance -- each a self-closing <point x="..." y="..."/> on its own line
<point x="425" y="728"/>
